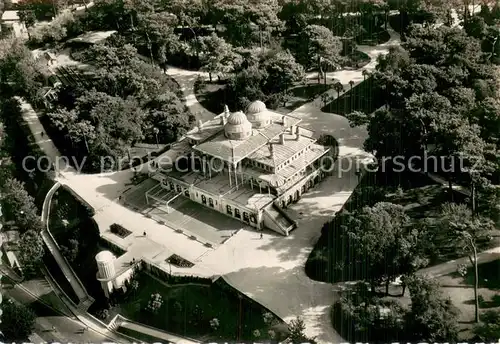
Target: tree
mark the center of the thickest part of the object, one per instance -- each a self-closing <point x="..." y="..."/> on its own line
<point x="322" y="47"/>
<point x="18" y="321"/>
<point x="465" y="231"/>
<point x="70" y="252"/>
<point x="489" y="329"/>
<point x="27" y="18"/>
<point x="282" y="71"/>
<point x="378" y="233"/>
<point x="296" y="329"/>
<point x="218" y="56"/>
<point x="19" y="206"/>
<point x="432" y="318"/>
<point x="338" y="87"/>
<point x="242" y="19"/>
<point x="31" y="250"/>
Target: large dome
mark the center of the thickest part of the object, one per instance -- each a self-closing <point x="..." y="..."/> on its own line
<point x="238" y="127"/>
<point x="258" y="115"/>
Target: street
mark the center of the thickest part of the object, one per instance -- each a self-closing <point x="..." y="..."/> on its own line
<point x="67" y="329"/>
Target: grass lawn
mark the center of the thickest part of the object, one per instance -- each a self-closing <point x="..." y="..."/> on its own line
<point x="188" y="309"/>
<point x="421" y="197"/>
<point x="363" y="97"/>
<point x="213" y="96"/>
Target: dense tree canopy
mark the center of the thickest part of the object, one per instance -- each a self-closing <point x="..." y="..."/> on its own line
<point x="18" y="321"/>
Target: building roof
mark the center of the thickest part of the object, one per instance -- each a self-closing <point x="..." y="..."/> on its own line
<point x="281" y="152"/>
<point x="10" y="16"/>
<point x="280" y="178"/>
<point x="92" y="37"/>
<point x="233" y="151"/>
<point x="104" y="256"/>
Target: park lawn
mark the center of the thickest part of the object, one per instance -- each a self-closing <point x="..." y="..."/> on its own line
<point x="329" y="261"/>
<point x="364" y="97"/>
<point x="187" y="310"/>
<point x="213" y="96"/>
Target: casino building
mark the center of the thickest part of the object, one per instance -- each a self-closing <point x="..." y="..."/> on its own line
<point x="249" y="166"/>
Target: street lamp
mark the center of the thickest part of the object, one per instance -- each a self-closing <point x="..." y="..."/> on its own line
<point x="156" y="131"/>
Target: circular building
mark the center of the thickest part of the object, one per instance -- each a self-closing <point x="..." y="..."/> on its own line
<point x="258" y="115"/>
<point x="106" y="264"/>
<point x="237" y="126"/>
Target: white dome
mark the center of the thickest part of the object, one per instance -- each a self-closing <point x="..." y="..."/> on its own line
<point x="238" y="127"/>
<point x="256" y="107"/>
<point x="104" y="256"/>
<point x="237" y="118"/>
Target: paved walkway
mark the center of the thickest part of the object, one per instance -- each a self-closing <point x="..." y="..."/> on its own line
<point x="186" y="80"/>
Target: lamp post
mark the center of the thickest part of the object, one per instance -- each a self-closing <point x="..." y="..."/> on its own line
<point x="156" y="131"/>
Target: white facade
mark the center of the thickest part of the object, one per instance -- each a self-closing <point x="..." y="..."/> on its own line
<point x="107" y="272"/>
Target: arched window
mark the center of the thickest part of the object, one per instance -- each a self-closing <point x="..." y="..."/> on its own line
<point x="229" y="210"/>
<point x="203" y="199"/>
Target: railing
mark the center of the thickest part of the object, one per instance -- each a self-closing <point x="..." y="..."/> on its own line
<point x="50" y="240"/>
<point x="292" y="222"/>
<point x="121" y="319"/>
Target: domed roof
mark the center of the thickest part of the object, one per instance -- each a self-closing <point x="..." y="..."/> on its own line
<point x="258" y="114"/>
<point x="237" y="127"/>
<point x="237" y="118"/>
<point x="104" y="256"/>
<point x="256" y="107"/>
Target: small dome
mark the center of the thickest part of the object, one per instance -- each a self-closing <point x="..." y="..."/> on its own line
<point x="237" y="118"/>
<point x="104" y="256"/>
<point x="238" y="127"/>
<point x="256" y="107"/>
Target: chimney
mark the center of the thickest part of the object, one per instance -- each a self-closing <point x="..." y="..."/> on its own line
<point x="297" y="133"/>
<point x="200" y="124"/>
<point x="282" y="138"/>
<point x="283" y="118"/>
<point x="271" y="149"/>
<point x="223" y="119"/>
<point x="226" y="111"/>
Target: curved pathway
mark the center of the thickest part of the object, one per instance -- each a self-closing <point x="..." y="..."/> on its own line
<point x="269" y="270"/>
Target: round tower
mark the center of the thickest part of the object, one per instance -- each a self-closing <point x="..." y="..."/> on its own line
<point x="105" y="264"/>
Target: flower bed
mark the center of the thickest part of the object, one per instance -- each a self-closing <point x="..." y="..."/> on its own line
<point x="119" y="230"/>
<point x="179" y="261"/>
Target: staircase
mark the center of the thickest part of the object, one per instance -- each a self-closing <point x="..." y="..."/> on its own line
<point x="279" y="221"/>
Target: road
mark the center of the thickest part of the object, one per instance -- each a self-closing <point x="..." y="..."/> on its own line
<point x="67" y="329"/>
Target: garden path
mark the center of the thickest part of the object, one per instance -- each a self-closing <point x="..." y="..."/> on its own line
<point x="186" y="80"/>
